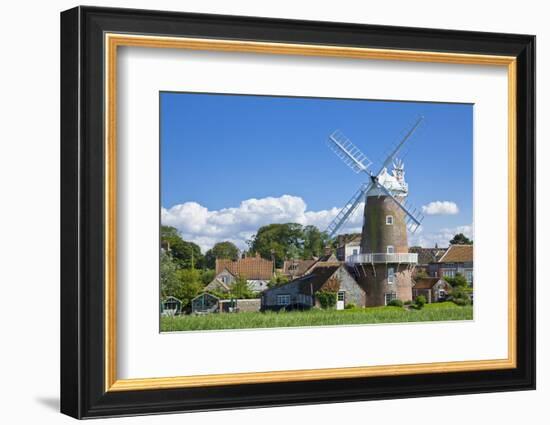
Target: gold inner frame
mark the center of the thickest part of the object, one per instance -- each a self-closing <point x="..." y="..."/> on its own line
<point x="113" y="41"/>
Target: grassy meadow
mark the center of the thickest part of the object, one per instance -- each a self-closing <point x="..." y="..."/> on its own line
<point x="315" y="317"/>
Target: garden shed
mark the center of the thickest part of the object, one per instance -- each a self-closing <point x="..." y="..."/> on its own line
<point x="170" y="306"/>
<point x="205" y="303"/>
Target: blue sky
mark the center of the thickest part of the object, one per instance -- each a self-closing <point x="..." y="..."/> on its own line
<point x="220" y="151"/>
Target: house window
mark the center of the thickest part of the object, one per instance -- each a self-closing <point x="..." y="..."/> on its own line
<point x="341" y="295"/>
<point x="442" y="294"/>
<point x="389" y="297"/>
<point x="389" y="249"/>
<point x="469" y="275"/>
<point x="391" y="275"/>
<point x="449" y="273"/>
<point x="355" y="251"/>
<point x="283" y="299"/>
<point x="389" y="220"/>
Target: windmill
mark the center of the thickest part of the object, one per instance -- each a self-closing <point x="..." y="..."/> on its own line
<point x="384" y="265"/>
<point x="359" y="163"/>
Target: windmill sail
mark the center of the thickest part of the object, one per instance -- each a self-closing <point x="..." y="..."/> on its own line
<point x="348" y="152"/>
<point x="398" y="147"/>
<point x="348" y="209"/>
<point x="414" y="218"/>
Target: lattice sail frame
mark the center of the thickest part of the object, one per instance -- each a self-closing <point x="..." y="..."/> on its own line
<point x="352" y="156"/>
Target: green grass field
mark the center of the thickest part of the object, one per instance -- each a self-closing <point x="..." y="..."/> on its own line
<point x="430" y="313"/>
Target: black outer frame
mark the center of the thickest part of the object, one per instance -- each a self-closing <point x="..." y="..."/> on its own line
<point x="82" y="218"/>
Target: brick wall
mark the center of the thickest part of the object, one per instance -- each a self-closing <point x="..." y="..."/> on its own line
<point x="377" y="235"/>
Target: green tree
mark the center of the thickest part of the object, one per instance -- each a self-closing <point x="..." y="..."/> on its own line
<point x="207" y="276"/>
<point x="185" y="254"/>
<point x="460" y="239"/>
<point x="241" y="290"/>
<point x="315" y="242"/>
<point x="168" y="276"/>
<point x="421" y="274"/>
<point x="278" y="241"/>
<point x="457" y="280"/>
<point x="189" y="285"/>
<point x="277" y="280"/>
<point x="225" y="250"/>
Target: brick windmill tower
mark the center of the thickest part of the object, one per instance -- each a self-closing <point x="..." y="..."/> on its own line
<point x="384" y="266"/>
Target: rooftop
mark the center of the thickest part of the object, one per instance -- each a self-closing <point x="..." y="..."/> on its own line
<point x="297" y="267"/>
<point x="425" y="282"/>
<point x="458" y="254"/>
<point x="427" y="255"/>
<point x="314" y="280"/>
<point x="250" y="268"/>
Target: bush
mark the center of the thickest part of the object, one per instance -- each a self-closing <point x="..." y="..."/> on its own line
<point x="460" y="301"/>
<point x="277" y="280"/>
<point x="458" y="281"/>
<point x="460" y="295"/>
<point x="408" y="302"/>
<point x="241" y="290"/>
<point x="396" y="303"/>
<point x="420" y="301"/>
<point x="350" y="306"/>
<point x="327" y="299"/>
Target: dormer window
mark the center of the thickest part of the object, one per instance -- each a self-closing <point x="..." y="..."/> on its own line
<point x="389" y="220"/>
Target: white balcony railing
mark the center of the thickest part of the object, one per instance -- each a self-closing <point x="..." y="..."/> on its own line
<point x="383" y="258"/>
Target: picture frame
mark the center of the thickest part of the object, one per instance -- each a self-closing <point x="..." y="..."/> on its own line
<point x="90" y="39"/>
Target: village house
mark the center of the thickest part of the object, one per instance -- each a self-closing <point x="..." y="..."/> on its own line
<point x="222" y="282"/>
<point x="457" y="259"/>
<point x="328" y="257"/>
<point x="293" y="269"/>
<point x="256" y="270"/>
<point x="348" y="244"/>
<point x="302" y="292"/>
<point x="434" y="289"/>
<point x="426" y="256"/>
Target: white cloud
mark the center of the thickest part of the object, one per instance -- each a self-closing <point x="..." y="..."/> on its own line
<point x="238" y="224"/>
<point x="441" y="237"/>
<point x="440" y="208"/>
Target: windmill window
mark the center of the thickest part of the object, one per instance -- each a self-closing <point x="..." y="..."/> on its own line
<point x="389" y="220"/>
<point x="391" y="275"/>
<point x="389" y="297"/>
<point x="389" y="249"/>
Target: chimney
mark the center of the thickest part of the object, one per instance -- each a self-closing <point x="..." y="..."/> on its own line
<point x="328" y="250"/>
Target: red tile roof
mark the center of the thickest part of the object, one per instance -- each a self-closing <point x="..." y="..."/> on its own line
<point x="458" y="254"/>
<point x="297" y="267"/>
<point x="425" y="282"/>
<point x="250" y="268"/>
